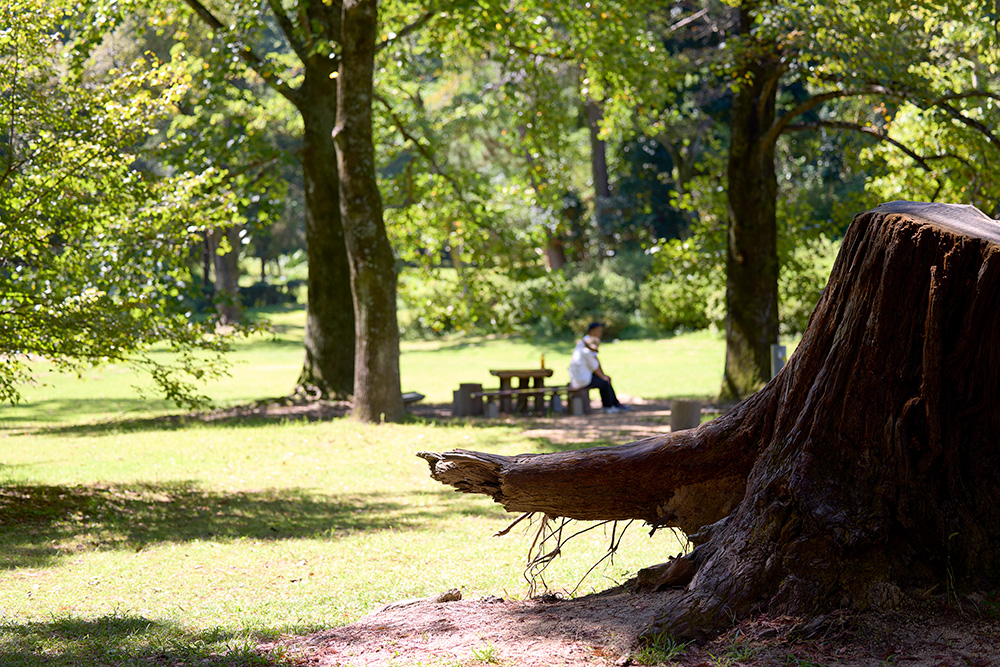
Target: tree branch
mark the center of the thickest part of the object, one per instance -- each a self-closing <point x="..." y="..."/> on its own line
<point x="421" y="148"/>
<point x="287" y="27"/>
<point x="688" y="19"/>
<point x="784" y="122"/>
<point x="957" y="114"/>
<point x="408" y="29"/>
<point x="253" y="61"/>
<point x="870" y="131"/>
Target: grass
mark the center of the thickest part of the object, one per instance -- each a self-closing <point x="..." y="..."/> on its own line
<point x="213" y="536"/>
<point x="267" y="366"/>
<point x="659" y="650"/>
<point x="127" y="541"/>
<point x="683" y="366"/>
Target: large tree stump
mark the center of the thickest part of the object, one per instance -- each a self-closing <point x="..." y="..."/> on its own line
<point x="869" y="467"/>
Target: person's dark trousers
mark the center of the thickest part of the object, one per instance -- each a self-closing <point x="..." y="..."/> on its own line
<point x="608" y="398"/>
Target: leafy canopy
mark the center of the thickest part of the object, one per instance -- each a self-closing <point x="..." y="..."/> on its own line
<point x="94" y="247"/>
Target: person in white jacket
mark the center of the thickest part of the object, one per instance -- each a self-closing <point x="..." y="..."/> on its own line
<point x="585" y="369"/>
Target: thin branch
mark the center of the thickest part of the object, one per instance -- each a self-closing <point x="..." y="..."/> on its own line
<point x="870" y="131"/>
<point x="546" y="54"/>
<point x="253" y="61"/>
<point x="967" y="95"/>
<point x="421" y="147"/>
<point x="407" y="30"/>
<point x="287" y="27"/>
<point x="976" y="125"/>
<point x="55" y="189"/>
<point x="900" y="91"/>
<point x="690" y="19"/>
<point x="784" y="122"/>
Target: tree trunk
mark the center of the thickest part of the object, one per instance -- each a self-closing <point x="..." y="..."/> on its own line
<point x="555" y="251"/>
<point x="598" y="164"/>
<point x="752" y="249"/>
<point x="377" y="394"/>
<point x="870" y="462"/>
<point x="328" y="368"/>
<point x="227" y="274"/>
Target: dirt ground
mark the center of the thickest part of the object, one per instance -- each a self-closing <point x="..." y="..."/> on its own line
<point x="602" y="629"/>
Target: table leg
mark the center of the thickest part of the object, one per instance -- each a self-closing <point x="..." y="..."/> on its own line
<point x="522" y="400"/>
<point x="505" y="400"/>
<point x="539" y="398"/>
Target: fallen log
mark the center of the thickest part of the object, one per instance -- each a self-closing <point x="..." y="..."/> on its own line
<point x="686" y="479"/>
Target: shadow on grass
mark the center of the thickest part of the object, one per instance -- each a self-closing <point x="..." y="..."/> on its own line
<point x="41" y="524"/>
<point x="266" y="411"/>
<point x="59" y="411"/>
<point x="123" y="639"/>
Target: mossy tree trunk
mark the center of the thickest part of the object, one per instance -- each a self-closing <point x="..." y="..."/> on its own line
<point x="377" y="395"/>
<point x="328" y="367"/>
<point x="752" y="248"/>
<point x="865" y="470"/>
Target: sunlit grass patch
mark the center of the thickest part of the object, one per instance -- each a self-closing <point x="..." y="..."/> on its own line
<point x="186" y="544"/>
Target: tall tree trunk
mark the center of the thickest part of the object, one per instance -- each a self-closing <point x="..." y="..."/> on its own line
<point x="752" y="249"/>
<point x="598" y="163"/>
<point x="555" y="251"/>
<point x="226" y="265"/>
<point x="870" y="463"/>
<point x="328" y="368"/>
<point x="377" y="394"/>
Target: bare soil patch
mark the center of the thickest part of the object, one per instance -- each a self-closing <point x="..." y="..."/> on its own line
<point x="602" y="629"/>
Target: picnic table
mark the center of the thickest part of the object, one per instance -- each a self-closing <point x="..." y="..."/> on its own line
<point x="509" y="399"/>
<point x="529" y="378"/>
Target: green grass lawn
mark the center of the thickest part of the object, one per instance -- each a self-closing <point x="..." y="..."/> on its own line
<point x="126" y="541"/>
<point x="199" y="540"/>
<point x="267" y="366"/>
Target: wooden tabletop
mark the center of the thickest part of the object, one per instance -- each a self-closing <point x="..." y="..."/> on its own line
<point x="525" y="373"/>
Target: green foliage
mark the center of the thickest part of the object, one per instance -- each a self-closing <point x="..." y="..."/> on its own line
<point x="676" y="305"/>
<point x="557" y="303"/>
<point x="484" y="133"/>
<point x="804" y="274"/>
<point x="686" y="289"/>
<point x="94" y="265"/>
<point x="602" y="295"/>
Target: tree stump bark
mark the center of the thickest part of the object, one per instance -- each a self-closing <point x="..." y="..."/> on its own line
<point x="867" y="469"/>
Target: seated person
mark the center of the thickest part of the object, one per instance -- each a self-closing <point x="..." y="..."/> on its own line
<point x="585" y="369"/>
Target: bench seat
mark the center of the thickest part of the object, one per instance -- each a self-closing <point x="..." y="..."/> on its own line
<point x="551" y="393"/>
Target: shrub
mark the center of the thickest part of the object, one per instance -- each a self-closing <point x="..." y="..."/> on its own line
<point x="803" y="278"/>
<point x="550" y="304"/>
<point x="672" y="305"/>
<point x="601" y="296"/>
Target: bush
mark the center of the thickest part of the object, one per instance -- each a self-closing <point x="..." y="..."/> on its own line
<point x="261" y="294"/>
<point x="603" y="296"/>
<point x="551" y="304"/>
<point x="804" y="275"/>
<point x="674" y="305"/>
